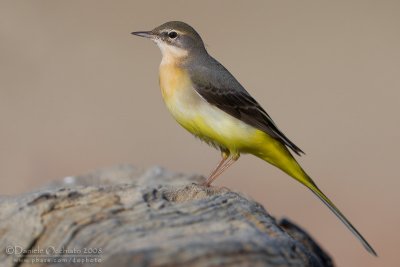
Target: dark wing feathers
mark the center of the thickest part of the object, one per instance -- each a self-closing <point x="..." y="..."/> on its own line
<point x="224" y="91"/>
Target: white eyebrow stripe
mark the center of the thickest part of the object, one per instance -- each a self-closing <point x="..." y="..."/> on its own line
<point x="172" y="30"/>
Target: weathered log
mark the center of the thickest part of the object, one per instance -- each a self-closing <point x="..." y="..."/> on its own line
<point x="125" y="216"/>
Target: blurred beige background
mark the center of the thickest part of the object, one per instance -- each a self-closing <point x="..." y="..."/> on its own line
<point x="78" y="93"/>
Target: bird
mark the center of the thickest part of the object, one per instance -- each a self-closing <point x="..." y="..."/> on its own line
<point x="209" y="102"/>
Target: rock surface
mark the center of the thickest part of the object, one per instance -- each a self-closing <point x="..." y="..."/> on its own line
<point x="125" y="216"/>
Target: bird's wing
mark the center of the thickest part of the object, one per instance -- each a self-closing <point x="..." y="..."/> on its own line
<point x="219" y="88"/>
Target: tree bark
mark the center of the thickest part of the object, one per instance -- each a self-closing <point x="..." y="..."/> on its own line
<point x="125" y="216"/>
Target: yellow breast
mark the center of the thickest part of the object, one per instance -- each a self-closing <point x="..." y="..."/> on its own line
<point x="178" y="94"/>
<point x="202" y="119"/>
<point x="172" y="80"/>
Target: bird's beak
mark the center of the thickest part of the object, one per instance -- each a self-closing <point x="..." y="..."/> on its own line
<point x="148" y="34"/>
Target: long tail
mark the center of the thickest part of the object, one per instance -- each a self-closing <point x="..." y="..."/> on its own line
<point x="313" y="187"/>
<point x="281" y="158"/>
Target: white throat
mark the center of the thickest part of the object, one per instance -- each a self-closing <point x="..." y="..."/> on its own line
<point x="170" y="54"/>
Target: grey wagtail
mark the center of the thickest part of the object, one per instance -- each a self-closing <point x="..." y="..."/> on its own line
<point x="205" y="99"/>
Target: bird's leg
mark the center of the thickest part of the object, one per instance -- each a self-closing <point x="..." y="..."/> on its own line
<point x="224" y="164"/>
<point x="228" y="163"/>
<point x="224" y="157"/>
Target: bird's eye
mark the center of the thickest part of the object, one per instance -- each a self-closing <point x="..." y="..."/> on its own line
<point x="172" y="35"/>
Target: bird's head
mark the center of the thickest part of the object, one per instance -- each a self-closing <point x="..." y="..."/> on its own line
<point x="175" y="39"/>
